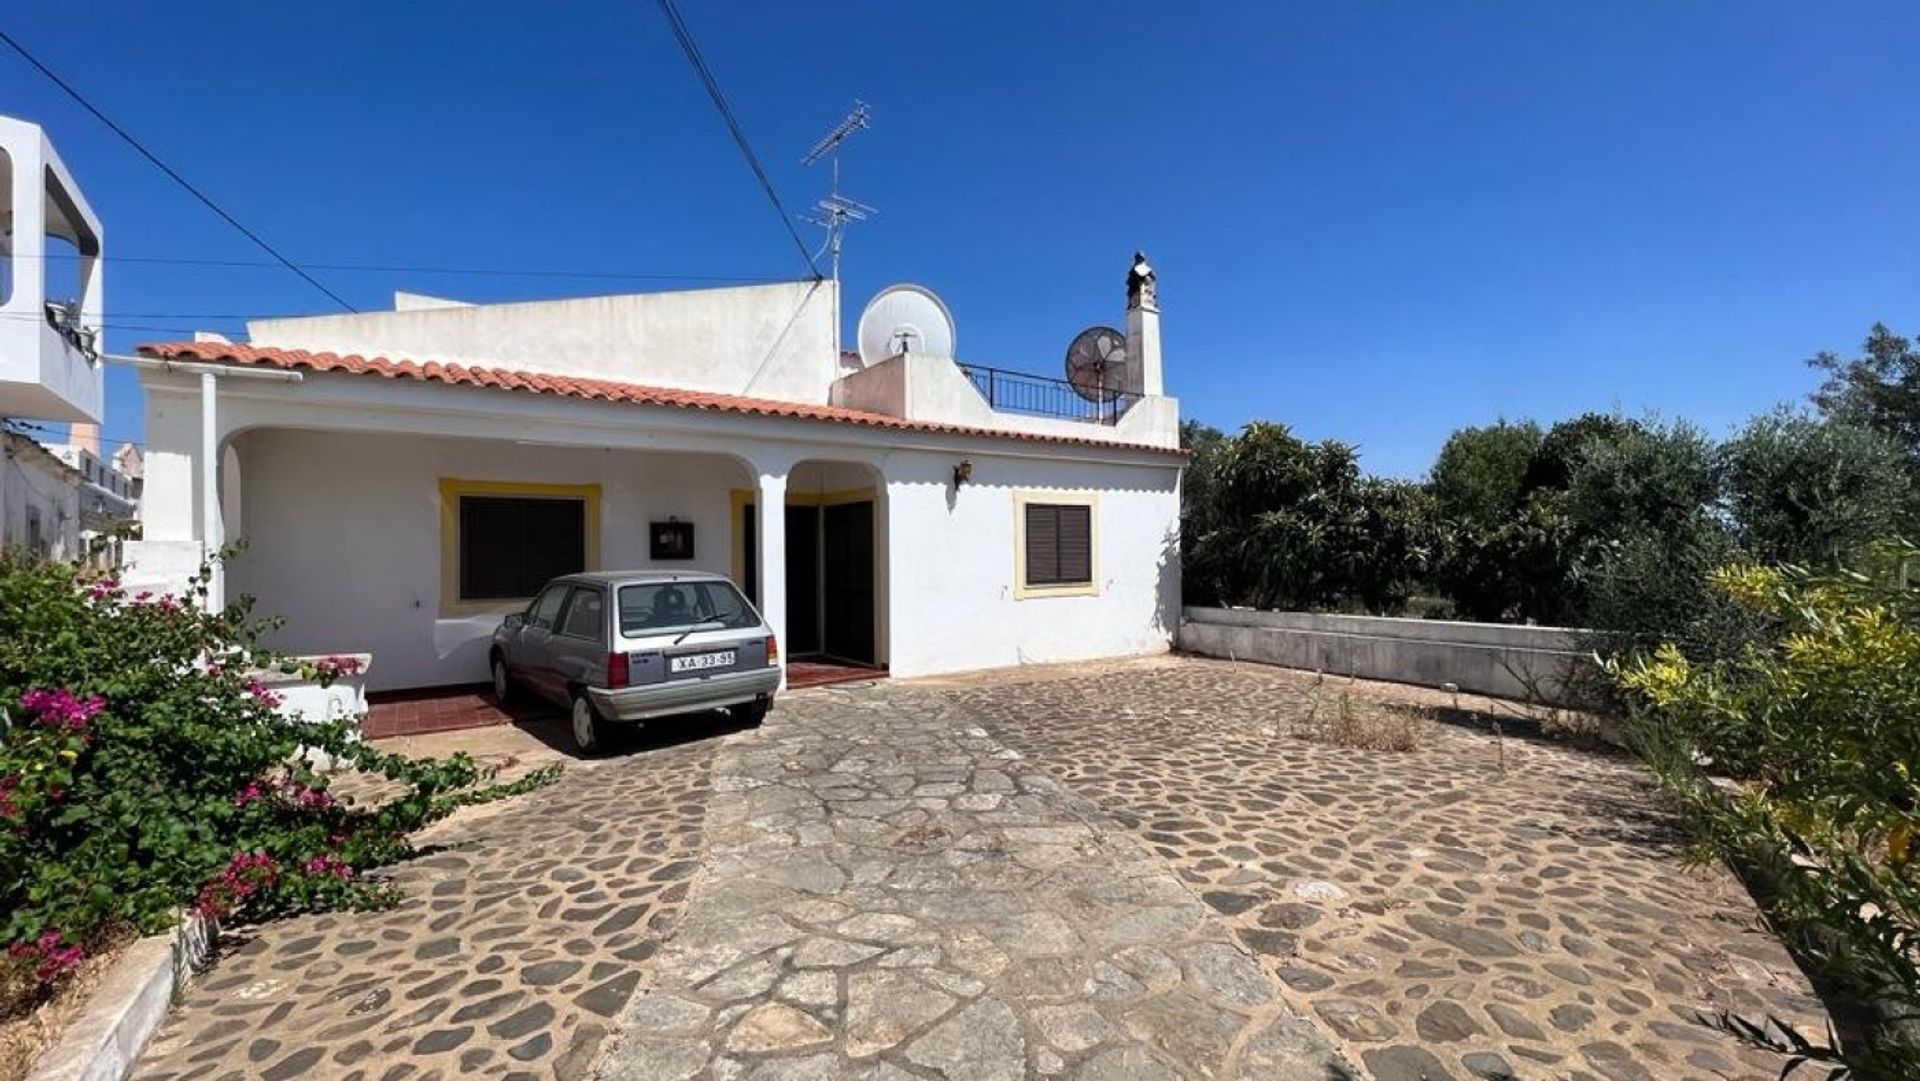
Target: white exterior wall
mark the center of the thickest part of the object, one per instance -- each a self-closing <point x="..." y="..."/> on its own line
<point x="42" y="374"/>
<point x="343" y="536"/>
<point x="953" y="604"/>
<point x="761" y="341"/>
<point x="35" y="483"/>
<point x="334" y="484"/>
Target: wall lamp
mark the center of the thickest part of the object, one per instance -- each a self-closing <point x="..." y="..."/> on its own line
<point x="963" y="472"/>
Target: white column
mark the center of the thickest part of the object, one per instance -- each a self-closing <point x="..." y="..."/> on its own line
<point x="770" y="509"/>
<point x="212" y="536"/>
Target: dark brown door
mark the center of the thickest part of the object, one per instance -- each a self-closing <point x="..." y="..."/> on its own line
<point x="803" y="580"/>
<point x="847" y="590"/>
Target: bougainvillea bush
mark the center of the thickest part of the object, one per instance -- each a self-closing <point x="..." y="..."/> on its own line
<point x="144" y="771"/>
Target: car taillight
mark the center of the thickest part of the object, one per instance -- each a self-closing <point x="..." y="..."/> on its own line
<point x="616" y="669"/>
<point x="773" y="650"/>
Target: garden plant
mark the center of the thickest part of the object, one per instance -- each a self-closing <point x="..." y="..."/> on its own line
<point x="145" y="772"/>
<point x="1798" y="763"/>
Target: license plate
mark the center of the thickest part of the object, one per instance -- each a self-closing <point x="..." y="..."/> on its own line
<point x="700" y="662"/>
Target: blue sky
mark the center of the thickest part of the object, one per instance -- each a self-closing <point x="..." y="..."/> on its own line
<point x="1372" y="221"/>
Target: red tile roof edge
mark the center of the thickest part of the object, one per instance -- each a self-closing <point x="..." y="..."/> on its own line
<point x="454" y="374"/>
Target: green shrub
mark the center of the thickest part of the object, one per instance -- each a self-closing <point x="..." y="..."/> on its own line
<point x="143" y="769"/>
<point x="1811" y="734"/>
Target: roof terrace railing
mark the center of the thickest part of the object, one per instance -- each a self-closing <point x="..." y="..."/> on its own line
<point x="1037" y="396"/>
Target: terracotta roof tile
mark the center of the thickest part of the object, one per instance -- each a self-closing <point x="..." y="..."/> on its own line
<point x="591" y="389"/>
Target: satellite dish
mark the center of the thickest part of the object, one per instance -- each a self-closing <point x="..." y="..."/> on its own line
<point x="1097" y="364"/>
<point x="904" y="319"/>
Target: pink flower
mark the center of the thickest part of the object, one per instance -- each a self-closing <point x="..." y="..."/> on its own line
<point x="249" y="794"/>
<point x="311" y="799"/>
<point x="331" y="865"/>
<point x="55" y="959"/>
<point x="337" y="665"/>
<point x="245" y="874"/>
<point x="102" y="588"/>
<point x="260" y="694"/>
<point x="61" y="709"/>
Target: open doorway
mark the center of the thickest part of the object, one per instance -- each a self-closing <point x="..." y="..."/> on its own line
<point x="835" y="533"/>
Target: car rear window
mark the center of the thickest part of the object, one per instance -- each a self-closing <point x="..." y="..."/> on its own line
<point x="677" y="606"/>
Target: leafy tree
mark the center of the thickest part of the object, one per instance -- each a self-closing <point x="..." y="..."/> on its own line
<point x="1276" y="522"/>
<point x="1658" y="479"/>
<point x="1479" y="474"/>
<point x="1812" y="491"/>
<point x="1558" y="455"/>
<point x="1880" y="389"/>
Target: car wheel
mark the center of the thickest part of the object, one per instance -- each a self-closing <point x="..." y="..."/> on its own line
<point x="589" y="732"/>
<point x="502" y="683"/>
<point x="752" y="713"/>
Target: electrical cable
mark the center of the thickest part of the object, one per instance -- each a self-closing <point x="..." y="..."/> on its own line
<point x="204" y="198"/>
<point x="687" y="45"/>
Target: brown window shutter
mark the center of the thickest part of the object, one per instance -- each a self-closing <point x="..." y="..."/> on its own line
<point x="1076" y="544"/>
<point x="1043" y="544"/>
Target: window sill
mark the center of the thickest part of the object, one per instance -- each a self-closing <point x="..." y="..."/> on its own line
<point x="1076" y="589"/>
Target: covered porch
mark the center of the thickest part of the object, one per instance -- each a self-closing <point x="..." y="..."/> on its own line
<point x="409" y="533"/>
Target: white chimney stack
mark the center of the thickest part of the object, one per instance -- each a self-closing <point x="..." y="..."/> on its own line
<point x="1144" y="376"/>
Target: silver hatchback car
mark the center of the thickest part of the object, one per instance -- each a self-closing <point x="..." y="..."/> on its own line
<point x="614" y="646"/>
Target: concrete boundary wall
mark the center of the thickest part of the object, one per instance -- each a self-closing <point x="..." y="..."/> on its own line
<point x="1525" y="663"/>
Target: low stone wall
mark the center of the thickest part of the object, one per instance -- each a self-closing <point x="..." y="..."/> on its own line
<point x="1526" y="663"/>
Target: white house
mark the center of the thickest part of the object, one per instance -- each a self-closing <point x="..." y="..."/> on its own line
<point x="402" y="479"/>
<point x="50" y="296"/>
<point x="39" y="500"/>
<point x="107" y="495"/>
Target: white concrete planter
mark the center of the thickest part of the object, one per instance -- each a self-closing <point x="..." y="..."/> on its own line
<point x="345" y="698"/>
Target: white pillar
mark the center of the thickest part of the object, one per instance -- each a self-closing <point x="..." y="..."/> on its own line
<point x="771" y="514"/>
<point x="212" y="536"/>
<point x="1143" y="351"/>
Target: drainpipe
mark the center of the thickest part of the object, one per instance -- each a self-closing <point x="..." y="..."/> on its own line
<point x="212" y="531"/>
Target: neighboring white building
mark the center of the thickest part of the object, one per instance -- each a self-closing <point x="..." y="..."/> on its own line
<point x="387" y="496"/>
<point x="50" y="294"/>
<point x="39" y="500"/>
<point x="108" y="497"/>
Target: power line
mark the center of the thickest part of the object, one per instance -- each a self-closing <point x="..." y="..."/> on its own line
<point x="685" y="37"/>
<point x="206" y="200"/>
<point x="394" y="268"/>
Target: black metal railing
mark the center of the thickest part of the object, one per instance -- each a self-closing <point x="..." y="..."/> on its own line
<point x="1038" y="396"/>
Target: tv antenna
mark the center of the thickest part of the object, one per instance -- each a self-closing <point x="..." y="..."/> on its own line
<point x="836" y="210"/>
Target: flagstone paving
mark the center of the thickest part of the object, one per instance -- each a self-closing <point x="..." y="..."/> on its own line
<point x="525" y="929"/>
<point x="890" y="894"/>
<point x="1144" y="870"/>
<point x="1465" y="909"/>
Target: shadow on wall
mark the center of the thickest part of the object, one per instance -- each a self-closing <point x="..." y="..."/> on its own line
<point x="1166" y="613"/>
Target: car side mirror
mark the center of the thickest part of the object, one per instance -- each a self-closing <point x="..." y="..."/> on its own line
<point x="513" y="621"/>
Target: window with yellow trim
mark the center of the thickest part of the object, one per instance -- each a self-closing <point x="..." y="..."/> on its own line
<point x="501" y="541"/>
<point x="1056" y="539"/>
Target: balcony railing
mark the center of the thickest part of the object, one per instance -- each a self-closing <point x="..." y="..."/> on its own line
<point x="1038" y="396"/>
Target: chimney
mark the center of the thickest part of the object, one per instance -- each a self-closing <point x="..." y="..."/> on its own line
<point x="85" y="436"/>
<point x="1144" y="376"/>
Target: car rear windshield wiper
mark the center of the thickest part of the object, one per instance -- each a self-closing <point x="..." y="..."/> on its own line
<point x="709" y="625"/>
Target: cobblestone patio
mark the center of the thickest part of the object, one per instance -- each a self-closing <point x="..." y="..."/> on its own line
<point x="1442" y="915"/>
<point x="1142" y="871"/>
<point x="526" y="927"/>
<point x="892" y="894"/>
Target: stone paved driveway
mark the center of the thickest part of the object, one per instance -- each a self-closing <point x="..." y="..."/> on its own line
<point x="1442" y="915"/>
<point x="1133" y="871"/>
<point x="523" y="934"/>
<point x="891" y="894"/>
